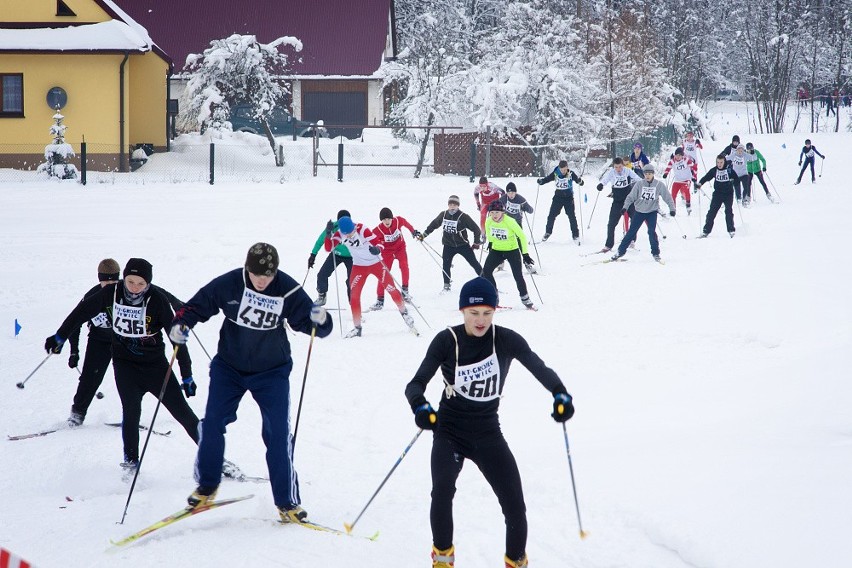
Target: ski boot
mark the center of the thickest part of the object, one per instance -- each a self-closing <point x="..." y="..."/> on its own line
<point x="406" y="296"/>
<point x="320" y="301"/>
<point x="443" y="558"/>
<point x="521" y="562"/>
<point x="688" y="209"/>
<point x="201" y="496"/>
<point x="770" y="198"/>
<point x="409" y="321"/>
<point x="232" y="471"/>
<point x="129" y="468"/>
<point x="294" y="514"/>
<point x="577" y="240"/>
<point x="528" y="304"/>
<point x="731" y="234"/>
<point x="75" y="418"/>
<point x="380" y="304"/>
<point x="355" y="332"/>
<point x="545" y="237"/>
<point x="616" y="256"/>
<point x="446" y="289"/>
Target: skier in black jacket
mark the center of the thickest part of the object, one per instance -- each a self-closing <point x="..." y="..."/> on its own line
<point x="723" y="194"/>
<point x="474" y="360"/>
<point x="563" y="198"/>
<point x="455" y="225"/>
<point x="808" y="152"/>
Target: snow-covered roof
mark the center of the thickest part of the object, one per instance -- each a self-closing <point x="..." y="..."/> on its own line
<point x="103" y="36"/>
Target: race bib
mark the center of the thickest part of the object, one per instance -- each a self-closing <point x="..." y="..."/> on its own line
<point x="353" y="242"/>
<point x="258" y="311"/>
<point x="393" y="237"/>
<point x="128" y="321"/>
<point x="513" y="208"/>
<point x="722" y="176"/>
<point x="648" y="194"/>
<point x="621" y="182"/>
<point x="451" y="226"/>
<point x="563" y="183"/>
<point x="101" y="320"/>
<point x="500" y="233"/>
<point x="681" y="165"/>
<point x="479" y="381"/>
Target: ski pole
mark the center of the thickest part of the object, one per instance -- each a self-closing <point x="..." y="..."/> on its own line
<point x="350" y="526"/>
<point x="658" y="227"/>
<point x="400" y="287"/>
<point x="821" y="166"/>
<point x="699" y="213"/>
<point x="593" y="211"/>
<point x="775" y="189"/>
<point x="22" y="383"/>
<point x="531" y="278"/>
<point x="433" y="258"/>
<point x="583" y="534"/>
<point x="682" y="234"/>
<point x="535" y="248"/>
<point x="201" y="344"/>
<point x="305" y="279"/>
<point x="337" y="290"/>
<point x="535" y="209"/>
<point x="582" y="233"/>
<point x="150" y="430"/>
<point x="304" y="381"/>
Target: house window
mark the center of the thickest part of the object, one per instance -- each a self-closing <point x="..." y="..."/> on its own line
<point x="11" y="95"/>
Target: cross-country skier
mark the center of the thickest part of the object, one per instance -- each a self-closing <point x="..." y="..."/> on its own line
<point x="455" y="224"/>
<point x="390" y="229"/>
<point x="685" y="171"/>
<point x="622" y="178"/>
<point x="485" y="193"/>
<point x="506" y="242"/>
<point x="257" y="300"/>
<point x="723" y="194"/>
<point x="645" y="197"/>
<point x="515" y="204"/>
<point x="756" y="167"/>
<point x="808" y="152"/>
<point x="638" y="158"/>
<point x="474" y="360"/>
<point x="739" y="159"/>
<point x="691" y="145"/>
<point x="365" y="246"/>
<point x="563" y="198"/>
<point x="735" y="141"/>
<point x="340" y="255"/>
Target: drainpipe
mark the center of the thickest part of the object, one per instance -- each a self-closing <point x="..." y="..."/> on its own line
<point x="122" y="156"/>
<point x="168" y="116"/>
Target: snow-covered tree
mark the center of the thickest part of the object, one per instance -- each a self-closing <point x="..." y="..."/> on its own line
<point x="237" y="69"/>
<point x="57" y="153"/>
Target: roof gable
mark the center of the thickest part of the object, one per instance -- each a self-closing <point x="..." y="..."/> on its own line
<point x="340" y="37"/>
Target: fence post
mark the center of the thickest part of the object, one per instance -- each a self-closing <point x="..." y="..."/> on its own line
<point x="281" y="155"/>
<point x="293" y="122"/>
<point x="472" y="161"/>
<point x="488" y="150"/>
<point x="212" y="161"/>
<point x="83" y="163"/>
<point x="340" y="161"/>
<point x="316" y="150"/>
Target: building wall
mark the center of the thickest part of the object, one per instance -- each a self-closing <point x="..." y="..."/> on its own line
<point x="147" y="95"/>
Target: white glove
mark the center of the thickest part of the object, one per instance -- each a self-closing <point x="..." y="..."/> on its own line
<point x="318" y="315"/>
<point x="179" y="334"/>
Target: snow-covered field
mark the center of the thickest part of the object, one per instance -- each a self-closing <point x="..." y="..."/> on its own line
<point x="712" y="426"/>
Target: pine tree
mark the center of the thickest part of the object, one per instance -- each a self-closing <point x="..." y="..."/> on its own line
<point x="57" y="153"/>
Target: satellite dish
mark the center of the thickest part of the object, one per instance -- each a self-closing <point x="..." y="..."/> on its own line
<point x="57" y="98"/>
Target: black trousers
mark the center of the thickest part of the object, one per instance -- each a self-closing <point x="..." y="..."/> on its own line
<point x="133" y="379"/>
<point x="614" y="218"/>
<point x="720" y="198"/>
<point x="742" y="187"/>
<point x="95" y="363"/>
<point x="809" y="161"/>
<point x="513" y="257"/>
<point x="495" y="460"/>
<point x="759" y="175"/>
<point x="466" y="252"/>
<point x="327" y="269"/>
<point x="562" y="199"/>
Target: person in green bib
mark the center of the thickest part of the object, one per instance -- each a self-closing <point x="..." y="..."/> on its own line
<point x="506" y="241"/>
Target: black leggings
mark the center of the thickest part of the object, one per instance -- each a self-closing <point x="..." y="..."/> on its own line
<point x="720" y="198"/>
<point x="562" y="200"/>
<point x="497" y="464"/>
<point x="809" y="161"/>
<point x="133" y="379"/>
<point x="466" y="252"/>
<point x="98" y="356"/>
<point x="495" y="257"/>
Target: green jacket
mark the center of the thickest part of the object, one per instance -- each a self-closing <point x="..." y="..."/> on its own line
<point x="755" y="166"/>
<point x="505" y="235"/>
<point x="339" y="250"/>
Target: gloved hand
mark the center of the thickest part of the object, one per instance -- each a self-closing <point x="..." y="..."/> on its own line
<point x="425" y="417"/>
<point x="375" y="250"/>
<point x="800" y="162"/>
<point x="179" y="334"/>
<point x="672" y="212"/>
<point x="318" y="314"/>
<point x="764" y="169"/>
<point x="665" y="175"/>
<point x="696" y="188"/>
<point x="581" y="182"/>
<point x="53" y="344"/>
<point x="540" y="181"/>
<point x="475" y="246"/>
<point x="311" y="260"/>
<point x="417" y="235"/>
<point x="73" y="359"/>
<point x="600" y="187"/>
<point x="527" y="258"/>
<point x="189" y="386"/>
<point x="329" y="228"/>
<point x="563" y="407"/>
<point x="478" y="206"/>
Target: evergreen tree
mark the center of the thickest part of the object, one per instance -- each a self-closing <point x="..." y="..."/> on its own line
<point x="56" y="154"/>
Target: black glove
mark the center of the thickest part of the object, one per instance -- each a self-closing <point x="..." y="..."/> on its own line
<point x="425" y="417"/>
<point x="329" y="228"/>
<point x="800" y="163"/>
<point x="696" y="188"/>
<point x="600" y="187"/>
<point x="540" y="181"/>
<point x="417" y="235"/>
<point x="375" y="250"/>
<point x="475" y="246"/>
<point x="527" y="258"/>
<point x="563" y="407"/>
<point x="764" y="169"/>
<point x="189" y="387"/>
<point x="672" y="212"/>
<point x="73" y="359"/>
<point x="53" y="344"/>
<point x="311" y="260"/>
<point x="665" y="175"/>
<point x="581" y="182"/>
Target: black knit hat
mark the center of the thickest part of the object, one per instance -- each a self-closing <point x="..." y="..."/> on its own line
<point x="139" y="267"/>
<point x="736" y="138"/>
<point x="678" y="151"/>
<point x="385" y="213"/>
<point x="262" y="259"/>
<point x="496" y="205"/>
<point x="477" y="292"/>
<point x="511" y="187"/>
<point x="343" y="213"/>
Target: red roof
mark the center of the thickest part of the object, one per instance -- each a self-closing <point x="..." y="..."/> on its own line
<point x="339" y="37"/>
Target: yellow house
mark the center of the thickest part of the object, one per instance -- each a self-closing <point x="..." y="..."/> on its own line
<point x="96" y="63"/>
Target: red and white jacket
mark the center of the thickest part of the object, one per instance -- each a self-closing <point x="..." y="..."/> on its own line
<point x="392" y="236"/>
<point x="685" y="169"/>
<point x="358" y="243"/>
<point x="487" y="193"/>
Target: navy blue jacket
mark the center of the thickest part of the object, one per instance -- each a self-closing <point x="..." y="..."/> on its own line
<point x="244" y="349"/>
<point x="723" y="179"/>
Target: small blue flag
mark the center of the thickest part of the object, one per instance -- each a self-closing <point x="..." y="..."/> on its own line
<point x="17" y="327"/>
<point x="585" y="198"/>
<point x="784" y="146"/>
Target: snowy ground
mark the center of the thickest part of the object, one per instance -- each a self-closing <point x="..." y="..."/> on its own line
<point x="712" y="425"/>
